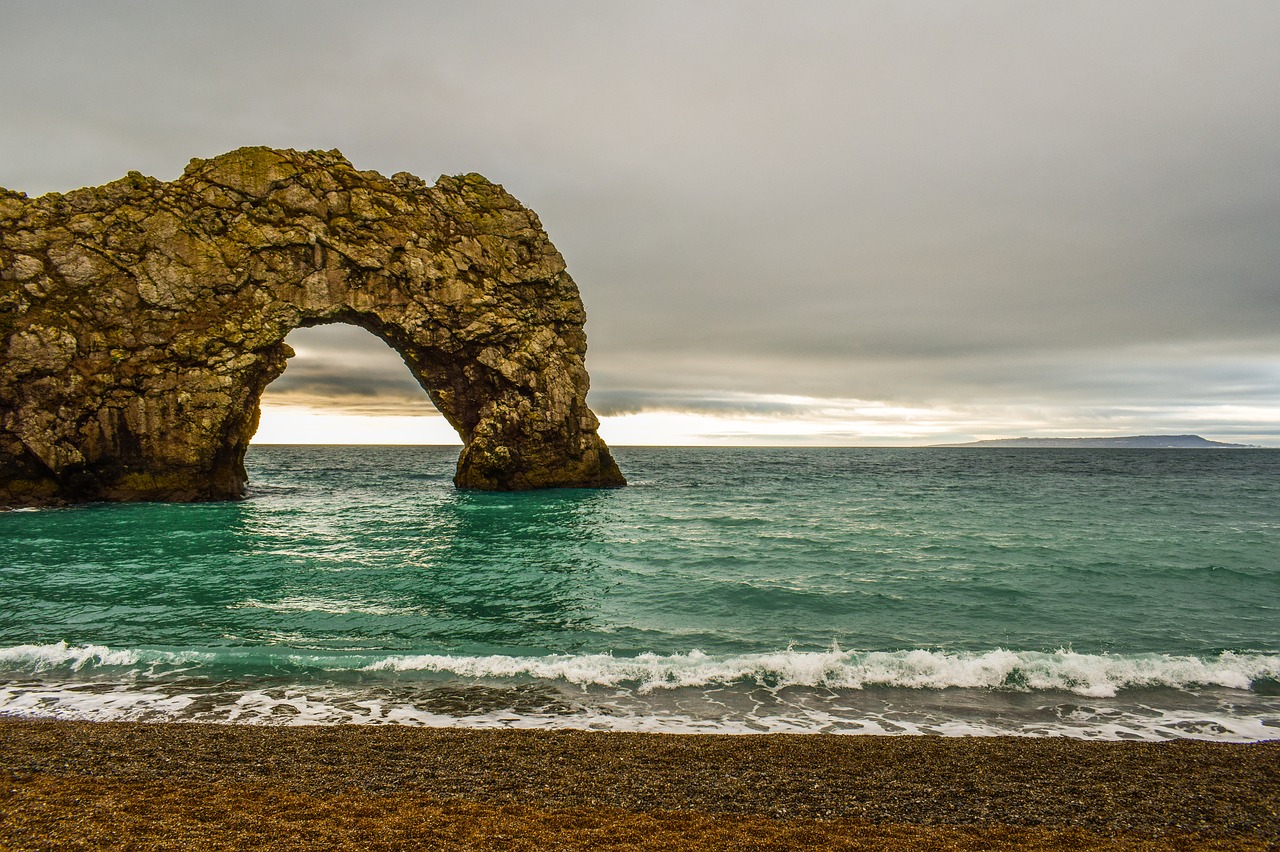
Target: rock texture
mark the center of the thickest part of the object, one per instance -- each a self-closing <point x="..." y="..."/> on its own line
<point x="140" y="322"/>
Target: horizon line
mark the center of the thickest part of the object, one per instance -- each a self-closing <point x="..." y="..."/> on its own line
<point x="969" y="446"/>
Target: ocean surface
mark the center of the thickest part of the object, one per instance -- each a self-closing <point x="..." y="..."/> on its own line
<point x="1107" y="594"/>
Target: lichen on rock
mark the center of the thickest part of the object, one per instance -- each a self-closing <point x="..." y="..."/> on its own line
<point x="140" y="322"/>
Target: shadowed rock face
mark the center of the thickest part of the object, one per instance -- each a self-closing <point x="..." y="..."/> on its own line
<point x="140" y="322"/>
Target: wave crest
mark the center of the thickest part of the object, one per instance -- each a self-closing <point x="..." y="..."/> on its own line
<point x="1093" y="675"/>
<point x="39" y="658"/>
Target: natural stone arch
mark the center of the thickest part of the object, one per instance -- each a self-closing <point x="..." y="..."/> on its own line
<point x="140" y="322"/>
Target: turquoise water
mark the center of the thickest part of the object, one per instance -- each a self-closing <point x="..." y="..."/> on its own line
<point x="1095" y="593"/>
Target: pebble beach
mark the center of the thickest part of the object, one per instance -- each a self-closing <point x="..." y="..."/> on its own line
<point x="76" y="785"/>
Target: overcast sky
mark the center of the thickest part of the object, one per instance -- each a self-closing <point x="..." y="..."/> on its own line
<point x="847" y="222"/>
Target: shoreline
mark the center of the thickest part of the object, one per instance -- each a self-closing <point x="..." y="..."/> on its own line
<point x="93" y="785"/>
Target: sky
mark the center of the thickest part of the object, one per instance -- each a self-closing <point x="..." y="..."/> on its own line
<point x="858" y="223"/>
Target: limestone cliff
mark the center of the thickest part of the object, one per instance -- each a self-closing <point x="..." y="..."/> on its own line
<point x="140" y="322"/>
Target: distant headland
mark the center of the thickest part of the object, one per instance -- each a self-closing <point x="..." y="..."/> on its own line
<point x="1142" y="442"/>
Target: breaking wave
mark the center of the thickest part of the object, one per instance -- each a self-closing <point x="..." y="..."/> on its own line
<point x="1092" y="675"/>
<point x="1085" y="674"/>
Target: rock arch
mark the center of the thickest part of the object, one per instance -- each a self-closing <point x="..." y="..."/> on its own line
<point x="140" y="322"/>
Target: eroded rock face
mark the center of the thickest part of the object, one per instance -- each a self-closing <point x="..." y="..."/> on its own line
<point x="140" y="322"/>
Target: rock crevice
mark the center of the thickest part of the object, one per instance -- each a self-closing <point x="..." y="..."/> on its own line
<point x="140" y="322"/>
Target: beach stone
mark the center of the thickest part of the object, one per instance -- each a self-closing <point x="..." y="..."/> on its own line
<point x="140" y="322"/>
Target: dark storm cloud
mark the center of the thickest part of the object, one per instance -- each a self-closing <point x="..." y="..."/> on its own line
<point x="924" y="203"/>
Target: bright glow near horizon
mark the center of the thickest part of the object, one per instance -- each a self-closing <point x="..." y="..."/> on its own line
<point x="814" y="427"/>
<point x="344" y="386"/>
<point x="815" y="422"/>
<point x="297" y="425"/>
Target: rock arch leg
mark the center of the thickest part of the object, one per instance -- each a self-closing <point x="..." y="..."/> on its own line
<point x="509" y="445"/>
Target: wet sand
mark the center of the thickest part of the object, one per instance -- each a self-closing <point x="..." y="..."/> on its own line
<point x="71" y="785"/>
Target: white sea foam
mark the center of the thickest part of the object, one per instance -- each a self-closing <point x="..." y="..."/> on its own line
<point x="36" y="659"/>
<point x="1094" y="675"/>
<point x="849" y="692"/>
<point x="39" y="658"/>
<point x="796" y="711"/>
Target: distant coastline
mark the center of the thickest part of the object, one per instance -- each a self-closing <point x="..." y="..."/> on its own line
<point x="1144" y="442"/>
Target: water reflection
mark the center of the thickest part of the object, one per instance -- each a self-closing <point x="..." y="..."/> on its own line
<point x="362" y="548"/>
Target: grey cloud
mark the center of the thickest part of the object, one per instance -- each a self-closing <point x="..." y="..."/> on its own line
<point x="614" y="402"/>
<point x="1084" y="377"/>
<point x="919" y="202"/>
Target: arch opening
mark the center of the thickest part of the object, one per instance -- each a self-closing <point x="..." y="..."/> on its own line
<point x="346" y="385"/>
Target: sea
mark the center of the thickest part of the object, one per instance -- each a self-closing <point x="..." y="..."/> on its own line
<point x="1091" y="593"/>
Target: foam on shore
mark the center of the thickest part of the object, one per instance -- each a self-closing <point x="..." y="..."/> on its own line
<point x="1090" y="675"/>
<point x="1228" y="696"/>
